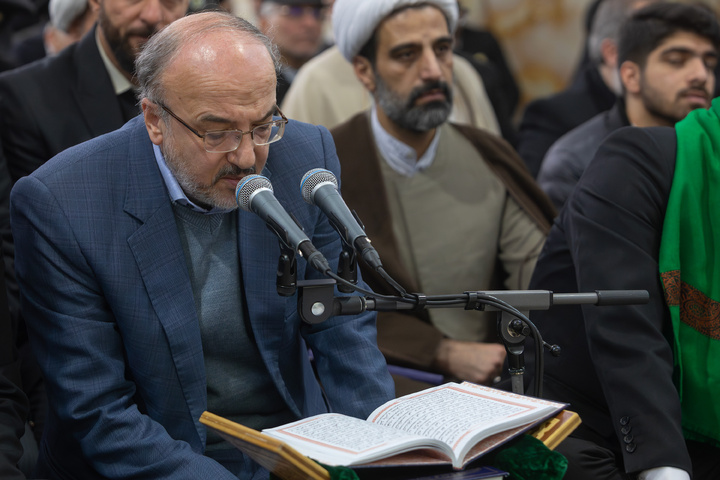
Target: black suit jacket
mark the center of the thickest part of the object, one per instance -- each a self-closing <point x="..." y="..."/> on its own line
<point x="283" y="85"/>
<point x="616" y="365"/>
<point x="46" y="107"/>
<point x="548" y="119"/>
<point x="483" y="48"/>
<point x="54" y="103"/>
<point x="13" y="403"/>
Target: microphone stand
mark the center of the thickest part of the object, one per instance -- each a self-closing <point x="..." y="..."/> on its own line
<point x="286" y="275"/>
<point x="347" y="268"/>
<point x="317" y="303"/>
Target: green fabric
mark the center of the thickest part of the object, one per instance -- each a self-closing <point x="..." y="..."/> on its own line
<point x="689" y="266"/>
<point x="341" y="473"/>
<point x="525" y="458"/>
<point x="529" y="459"/>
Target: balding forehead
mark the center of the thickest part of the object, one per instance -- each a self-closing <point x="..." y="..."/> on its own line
<point x="219" y="61"/>
<point x="222" y="48"/>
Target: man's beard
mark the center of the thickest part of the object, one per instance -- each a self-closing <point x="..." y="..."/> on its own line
<point x="670" y="112"/>
<point x="404" y="112"/>
<point x="206" y="196"/>
<point x="124" y="52"/>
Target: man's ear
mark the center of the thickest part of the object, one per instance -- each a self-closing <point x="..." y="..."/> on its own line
<point x="609" y="52"/>
<point x="364" y="72"/>
<point x="94" y="5"/>
<point x="630" y="76"/>
<point x="153" y="122"/>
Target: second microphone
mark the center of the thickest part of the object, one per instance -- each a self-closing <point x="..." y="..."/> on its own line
<point x="320" y="187"/>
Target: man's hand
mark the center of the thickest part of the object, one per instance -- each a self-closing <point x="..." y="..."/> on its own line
<point x="471" y="361"/>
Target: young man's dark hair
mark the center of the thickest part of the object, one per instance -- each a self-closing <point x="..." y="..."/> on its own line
<point x="649" y="26"/>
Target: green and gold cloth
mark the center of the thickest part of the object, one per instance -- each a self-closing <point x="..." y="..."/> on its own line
<point x="689" y="266"/>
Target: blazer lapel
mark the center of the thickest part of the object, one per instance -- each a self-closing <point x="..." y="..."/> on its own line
<point x="259" y="252"/>
<point x="161" y="260"/>
<point x="93" y="89"/>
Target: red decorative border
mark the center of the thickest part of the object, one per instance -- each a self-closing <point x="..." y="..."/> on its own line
<point x="696" y="309"/>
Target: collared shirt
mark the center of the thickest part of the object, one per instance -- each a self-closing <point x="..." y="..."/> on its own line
<point x="401" y="158"/>
<point x="120" y="83"/>
<point x="175" y="190"/>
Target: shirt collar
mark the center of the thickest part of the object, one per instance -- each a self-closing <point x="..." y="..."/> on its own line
<point x="120" y="83"/>
<point x="399" y="156"/>
<point x="175" y="190"/>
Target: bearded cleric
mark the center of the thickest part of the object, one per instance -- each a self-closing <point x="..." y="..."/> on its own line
<point x="450" y="208"/>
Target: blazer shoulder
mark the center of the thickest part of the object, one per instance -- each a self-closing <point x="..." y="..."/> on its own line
<point x="298" y="128"/>
<point x="48" y="72"/>
<point x="303" y="146"/>
<point x="110" y="151"/>
<point x="298" y="137"/>
<point x="655" y="147"/>
<point x="632" y="153"/>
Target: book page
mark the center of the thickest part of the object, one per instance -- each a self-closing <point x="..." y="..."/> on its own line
<point x="461" y="414"/>
<point x="341" y="440"/>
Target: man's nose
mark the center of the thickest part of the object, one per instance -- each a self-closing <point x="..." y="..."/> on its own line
<point x="698" y="71"/>
<point x="430" y="66"/>
<point x="152" y="12"/>
<point x="244" y="156"/>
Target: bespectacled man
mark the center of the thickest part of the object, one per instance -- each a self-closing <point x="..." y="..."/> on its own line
<point x="296" y="27"/>
<point x="150" y="297"/>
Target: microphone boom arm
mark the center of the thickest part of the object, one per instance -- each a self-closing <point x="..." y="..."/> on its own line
<point x="317" y="303"/>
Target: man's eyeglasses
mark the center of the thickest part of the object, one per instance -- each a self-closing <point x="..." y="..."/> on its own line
<point x="299" y="11"/>
<point x="224" y="141"/>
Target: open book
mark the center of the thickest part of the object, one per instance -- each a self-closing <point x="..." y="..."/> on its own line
<point x="452" y="423"/>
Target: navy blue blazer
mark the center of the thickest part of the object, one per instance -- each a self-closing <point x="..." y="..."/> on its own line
<point x="107" y="297"/>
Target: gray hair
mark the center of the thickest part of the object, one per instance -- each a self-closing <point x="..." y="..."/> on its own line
<point x="606" y="25"/>
<point x="163" y="47"/>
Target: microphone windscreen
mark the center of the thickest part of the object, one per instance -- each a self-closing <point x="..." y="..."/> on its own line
<point x="314" y="178"/>
<point x="247" y="187"/>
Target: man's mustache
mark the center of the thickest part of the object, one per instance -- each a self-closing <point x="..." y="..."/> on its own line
<point x="417" y="92"/>
<point x="146" y="32"/>
<point x="699" y="90"/>
<point x="233" y="171"/>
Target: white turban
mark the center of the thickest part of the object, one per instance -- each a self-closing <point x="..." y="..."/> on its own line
<point x="354" y="21"/>
<point x="64" y="12"/>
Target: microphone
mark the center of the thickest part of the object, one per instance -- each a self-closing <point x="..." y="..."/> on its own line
<point x="254" y="193"/>
<point x="319" y="187"/>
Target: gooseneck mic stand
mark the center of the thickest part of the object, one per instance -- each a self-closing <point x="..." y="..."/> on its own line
<point x="317" y="303"/>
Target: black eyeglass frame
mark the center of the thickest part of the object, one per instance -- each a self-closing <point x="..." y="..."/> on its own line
<point x="299" y="11"/>
<point x="278" y="123"/>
